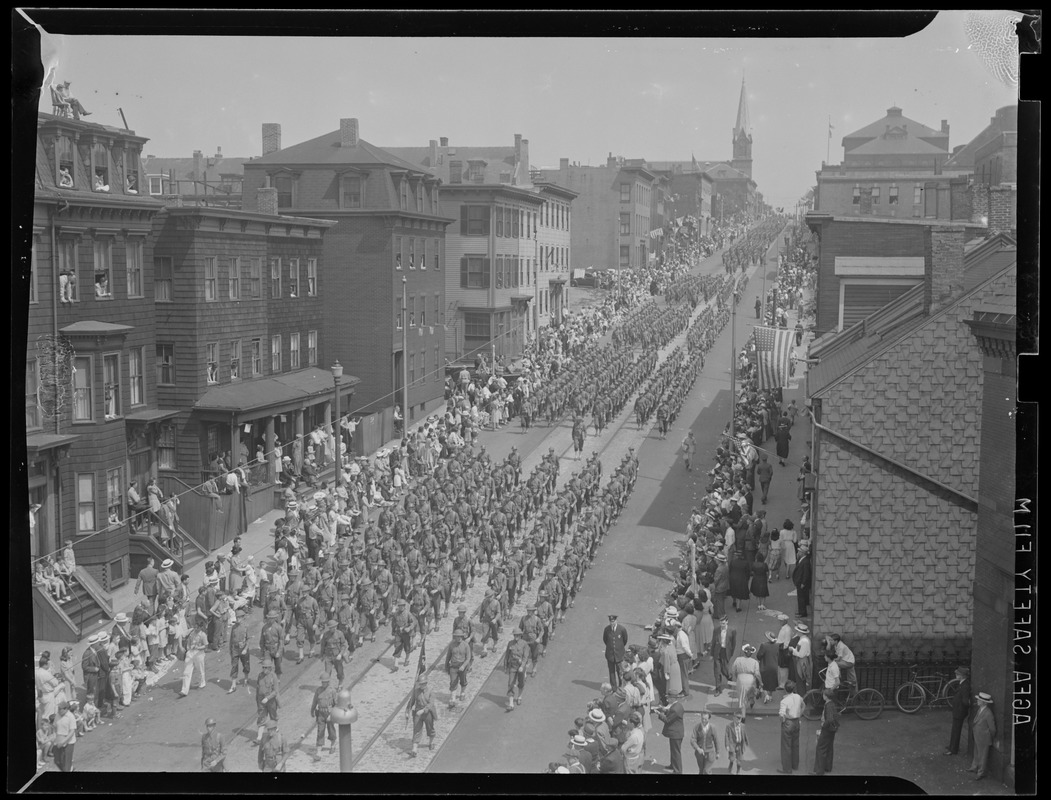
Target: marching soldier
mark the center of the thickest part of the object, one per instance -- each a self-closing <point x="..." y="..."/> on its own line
<point x="457" y="664"/>
<point x="403" y="626"/>
<point x="306" y="615"/>
<point x="270" y="641"/>
<point x="324" y="700"/>
<point x="266" y="700"/>
<point x="419" y="605"/>
<point x="489" y="615"/>
<point x="515" y="663"/>
<point x="213" y="750"/>
<point x="239" y="654"/>
<point x="532" y="631"/>
<point x="349" y="622"/>
<point x="334" y="649"/>
<point x="272" y="750"/>
<point x="424" y="713"/>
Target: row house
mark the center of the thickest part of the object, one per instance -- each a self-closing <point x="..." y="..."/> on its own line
<point x="497" y="308"/>
<point x="241" y="352"/>
<point x="93" y="416"/>
<point x="387" y="247"/>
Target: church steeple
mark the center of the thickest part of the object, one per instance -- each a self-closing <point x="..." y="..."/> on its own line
<point x="742" y="138"/>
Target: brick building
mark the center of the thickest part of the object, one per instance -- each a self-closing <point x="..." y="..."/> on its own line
<point x="611" y="219"/>
<point x="897" y="439"/>
<point x="92" y="411"/>
<point x="992" y="325"/>
<point x="388" y="227"/>
<point x="510" y="254"/>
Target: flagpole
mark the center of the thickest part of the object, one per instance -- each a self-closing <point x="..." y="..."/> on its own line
<point x="828" y="144"/>
<point x="733" y="358"/>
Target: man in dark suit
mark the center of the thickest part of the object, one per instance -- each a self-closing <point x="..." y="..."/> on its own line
<point x="961" y="709"/>
<point x="724" y="644"/>
<point x="802" y="577"/>
<point x="720" y="585"/>
<point x="615" y="637"/>
<point x="674" y="730"/>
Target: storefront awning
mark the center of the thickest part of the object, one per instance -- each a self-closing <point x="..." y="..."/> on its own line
<point x="41" y="442"/>
<point x="273" y="395"/>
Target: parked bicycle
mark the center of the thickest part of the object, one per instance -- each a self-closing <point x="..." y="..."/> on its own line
<point x="920" y="690"/>
<point x="866" y="703"/>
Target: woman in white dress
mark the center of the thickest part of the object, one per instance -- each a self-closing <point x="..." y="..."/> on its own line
<point x="788" y="546"/>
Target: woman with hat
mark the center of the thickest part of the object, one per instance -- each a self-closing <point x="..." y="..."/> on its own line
<point x="983" y="728"/>
<point x="705" y="623"/>
<point x="670" y="666"/>
<point x="745" y="670"/>
<point x="760" y="586"/>
<point x="767" y="656"/>
<point x="738" y="576"/>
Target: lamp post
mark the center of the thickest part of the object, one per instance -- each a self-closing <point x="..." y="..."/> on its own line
<point x="337" y="376"/>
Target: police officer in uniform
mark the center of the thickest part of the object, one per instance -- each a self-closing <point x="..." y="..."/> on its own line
<point x="324" y="700"/>
<point x="213" y="750"/>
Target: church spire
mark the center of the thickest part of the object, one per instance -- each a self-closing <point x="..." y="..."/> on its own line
<point x="743" y="125"/>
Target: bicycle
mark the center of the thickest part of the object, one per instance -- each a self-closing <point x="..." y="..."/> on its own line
<point x="919" y="690"/>
<point x="866" y="703"/>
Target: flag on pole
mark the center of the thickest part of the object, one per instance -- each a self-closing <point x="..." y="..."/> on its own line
<point x="694" y="160"/>
<point x="773" y="349"/>
<point x="422" y="666"/>
<point x="830" y="128"/>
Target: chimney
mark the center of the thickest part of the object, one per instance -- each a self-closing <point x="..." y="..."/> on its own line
<point x="943" y="281"/>
<point x="348" y="132"/>
<point x="945" y="127"/>
<point x="434" y="153"/>
<point x="563" y="164"/>
<point x="523" y="160"/>
<point x="443" y="141"/>
<point x="219" y="151"/>
<point x="198" y="165"/>
<point x="611" y="161"/>
<point x="266" y="200"/>
<point x="271" y="137"/>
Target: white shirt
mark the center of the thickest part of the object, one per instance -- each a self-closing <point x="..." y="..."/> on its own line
<point x="844" y="653"/>
<point x="791" y="706"/>
<point x="831" y="675"/>
<point x="682" y="643"/>
<point x="784" y="636"/>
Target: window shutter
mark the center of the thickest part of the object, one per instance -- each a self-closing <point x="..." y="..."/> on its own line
<point x="463" y="272"/>
<point x="486" y="267"/>
<point x="463" y="220"/>
<point x="486" y="218"/>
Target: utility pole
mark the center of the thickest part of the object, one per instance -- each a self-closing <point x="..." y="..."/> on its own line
<point x="733" y="359"/>
<point x="404" y="361"/>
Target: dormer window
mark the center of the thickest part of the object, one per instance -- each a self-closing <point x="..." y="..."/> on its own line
<point x="283" y="184"/>
<point x="476" y="172"/>
<point x="100" y="172"/>
<point x="350" y="191"/>
<point x="64" y="159"/>
<point x="131" y="172"/>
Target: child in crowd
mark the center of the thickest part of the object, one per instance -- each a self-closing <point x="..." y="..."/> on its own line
<point x="92" y="717"/>
<point x="138" y="676"/>
<point x="78" y="715"/>
<point x="45" y="740"/>
<point x="125" y="685"/>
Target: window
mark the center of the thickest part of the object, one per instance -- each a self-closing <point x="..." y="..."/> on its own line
<point x="477" y="172"/>
<point x="162" y="280"/>
<point x="474" y="221"/>
<point x="419" y="196"/>
<point x="437" y="254"/>
<point x="455" y="172"/>
<point x="211" y="357"/>
<point x="103" y="252"/>
<point x="412" y="369"/>
<point x="404" y="194"/>
<point x="235" y="359"/>
<point x="99" y="168"/>
<point x="131" y="172"/>
<point x="233" y="278"/>
<point x="64" y="157"/>
<point x="410" y="309"/>
<point x="32" y="387"/>
<point x="499" y="221"/>
<point x="33" y="269"/>
<point x="917" y="195"/>
<point x="156" y="185"/>
<point x="275" y="354"/>
<point x="625" y="193"/>
<point x="892" y="196"/>
<point x="875" y="195"/>
<point x="412" y="253"/>
<point x="514" y="223"/>
<point x="257" y="357"/>
<point x="625" y="255"/>
<point x="166" y="447"/>
<point x="255" y="277"/>
<point x="351" y="191"/>
<point x="476" y="329"/>
<point x="625" y="224"/>
<point x="275" y="278"/>
<point x="293" y="351"/>
<point x="397" y="252"/>
<point x="166" y="364"/>
<point x="133" y="257"/>
<point x="311" y="348"/>
<point x="500" y="271"/>
<point x="437" y="362"/>
<point x="114" y="494"/>
<point x="857" y="196"/>
<point x="293" y="277"/>
<point x="83" y="401"/>
<point x="283" y="184"/>
<point x="398" y="314"/>
<point x="211" y="279"/>
<point x="85" y="502"/>
<point x="437" y="318"/>
<point x="136" y="382"/>
<point x="312" y="277"/>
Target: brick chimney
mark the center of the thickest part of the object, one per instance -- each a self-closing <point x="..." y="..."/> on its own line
<point x="266" y="200"/>
<point x="271" y="137"/>
<point x="434" y="153"/>
<point x="1002" y="204"/>
<point x="443" y="141"/>
<point x="219" y="151"/>
<point x="611" y="161"/>
<point x="563" y="164"/>
<point x="523" y="162"/>
<point x="198" y="164"/>
<point x="348" y="132"/>
<point x="943" y="278"/>
<point x="945" y="127"/>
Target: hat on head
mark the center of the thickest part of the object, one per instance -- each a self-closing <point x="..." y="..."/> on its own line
<point x="167" y="563"/>
<point x="331" y="623"/>
<point x="748" y="649"/>
<point x="93" y="638"/>
<point x="724" y="618"/>
<point x="267" y="661"/>
<point x="272" y="615"/>
<point x="984" y="697"/>
<point x="457" y="633"/>
<point x="963" y="672"/>
<point x="578" y="741"/>
<point x="596" y="715"/>
<point x="612" y="616"/>
<point x="103" y="636"/>
<point x="461" y="607"/>
<point x="671" y="610"/>
<point x="720" y="557"/>
<point x="517" y="633"/>
<point x="802" y="627"/>
<point x="64" y="704"/>
<point x="209" y="722"/>
<point x="220" y="556"/>
<point x="783" y="617"/>
<point x="325" y="678"/>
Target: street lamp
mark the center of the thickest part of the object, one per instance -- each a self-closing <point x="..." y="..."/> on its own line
<point x="337" y="376"/>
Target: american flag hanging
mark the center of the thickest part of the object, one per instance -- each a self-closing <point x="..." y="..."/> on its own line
<point x="773" y="350"/>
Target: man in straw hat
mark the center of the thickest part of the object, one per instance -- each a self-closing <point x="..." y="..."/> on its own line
<point x="802" y="658"/>
<point x="961" y="710"/>
<point x="983" y="728"/>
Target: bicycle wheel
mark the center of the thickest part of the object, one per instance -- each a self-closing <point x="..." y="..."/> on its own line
<point x="812" y="704"/>
<point x="950" y="689"/>
<point x="909" y="697"/>
<point x="868" y="704"/>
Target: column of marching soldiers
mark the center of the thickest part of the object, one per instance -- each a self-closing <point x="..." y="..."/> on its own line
<point x="470" y="517"/>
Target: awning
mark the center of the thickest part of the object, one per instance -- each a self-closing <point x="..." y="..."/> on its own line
<point x="276" y="394"/>
<point x="148" y="415"/>
<point x="92" y="327"/>
<point x="521" y="298"/>
<point x="41" y="442"/>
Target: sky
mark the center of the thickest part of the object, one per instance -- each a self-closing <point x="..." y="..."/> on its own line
<point x="576" y="98"/>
